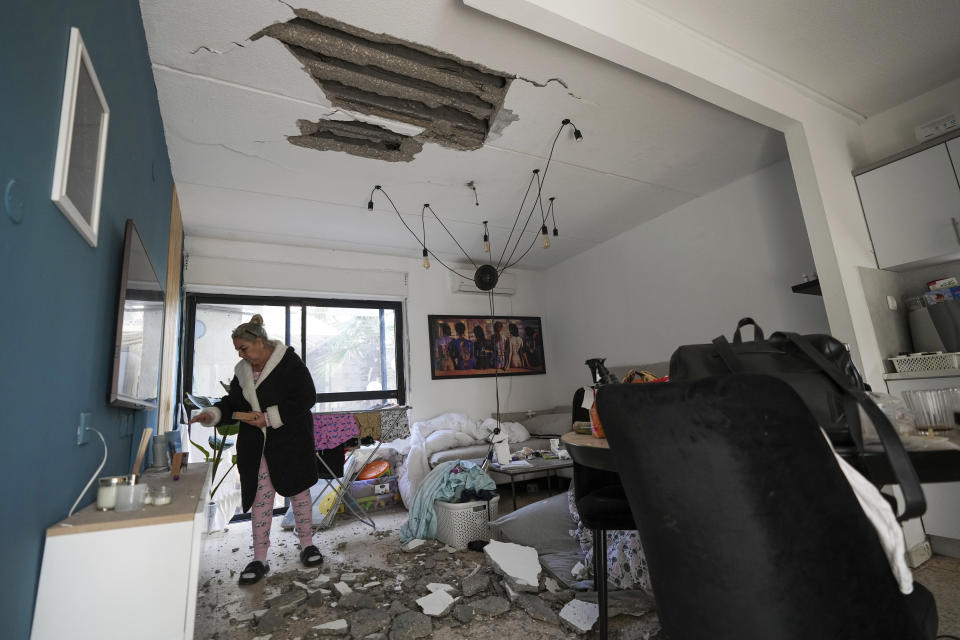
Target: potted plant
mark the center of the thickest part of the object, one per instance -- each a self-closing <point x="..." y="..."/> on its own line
<point x="218" y="443"/>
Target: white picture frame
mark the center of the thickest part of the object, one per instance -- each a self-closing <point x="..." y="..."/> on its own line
<point x="82" y="143"/>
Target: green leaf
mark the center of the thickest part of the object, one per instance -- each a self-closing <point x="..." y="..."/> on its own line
<point x="229" y="429"/>
<point x="206" y="454"/>
<point x="233" y="459"/>
<point x="199" y="402"/>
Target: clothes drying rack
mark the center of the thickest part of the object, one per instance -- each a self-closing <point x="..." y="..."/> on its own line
<point x="341" y="487"/>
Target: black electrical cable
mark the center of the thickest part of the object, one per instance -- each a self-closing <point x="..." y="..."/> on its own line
<point x="553" y="216"/>
<point x="451" y="235"/>
<point x="519" y="213"/>
<point x="496" y="376"/>
<point x="524" y="230"/>
<point x="420" y="242"/>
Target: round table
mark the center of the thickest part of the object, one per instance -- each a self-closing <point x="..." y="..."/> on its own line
<point x="589" y="451"/>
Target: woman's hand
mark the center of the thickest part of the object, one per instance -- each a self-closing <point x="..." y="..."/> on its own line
<point x="259" y="420"/>
<point x="203" y="418"/>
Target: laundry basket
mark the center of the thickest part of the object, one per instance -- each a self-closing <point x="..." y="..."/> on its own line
<point x="459" y="523"/>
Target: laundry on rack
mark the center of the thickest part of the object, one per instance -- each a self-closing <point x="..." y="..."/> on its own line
<point x="369" y="424"/>
<point x="332" y="429"/>
<point x="332" y="459"/>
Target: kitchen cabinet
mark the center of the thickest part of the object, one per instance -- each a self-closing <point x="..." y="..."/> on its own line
<point x="912" y="207"/>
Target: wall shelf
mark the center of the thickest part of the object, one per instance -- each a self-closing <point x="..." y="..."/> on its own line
<point x="811" y="287"/>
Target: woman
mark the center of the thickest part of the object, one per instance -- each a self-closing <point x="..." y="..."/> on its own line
<point x="275" y="452"/>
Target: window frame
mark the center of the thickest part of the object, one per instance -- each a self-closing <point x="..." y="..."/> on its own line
<point x="193" y="299"/>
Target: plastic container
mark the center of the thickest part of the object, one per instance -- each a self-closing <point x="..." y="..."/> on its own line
<point x="131" y="497"/>
<point x="927" y="362"/>
<point x="459" y="523"/>
<point x="933" y="408"/>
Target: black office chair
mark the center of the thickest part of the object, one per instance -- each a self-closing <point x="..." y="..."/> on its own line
<point x="751" y="530"/>
<point x="602" y="505"/>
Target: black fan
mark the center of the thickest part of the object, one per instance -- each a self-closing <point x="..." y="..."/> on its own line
<point x="486" y="277"/>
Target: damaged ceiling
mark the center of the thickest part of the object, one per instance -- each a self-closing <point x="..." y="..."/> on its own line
<point x="279" y="119"/>
<point x="452" y="100"/>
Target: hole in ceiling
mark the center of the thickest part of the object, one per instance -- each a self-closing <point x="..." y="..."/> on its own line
<point x="454" y="101"/>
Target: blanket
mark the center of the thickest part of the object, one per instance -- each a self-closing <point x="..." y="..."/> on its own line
<point x="447" y="431"/>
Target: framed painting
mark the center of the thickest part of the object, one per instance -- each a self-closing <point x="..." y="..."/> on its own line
<point x="81" y="144"/>
<point x="480" y="346"/>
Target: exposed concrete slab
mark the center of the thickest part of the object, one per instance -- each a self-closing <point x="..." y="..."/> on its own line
<point x="519" y="563"/>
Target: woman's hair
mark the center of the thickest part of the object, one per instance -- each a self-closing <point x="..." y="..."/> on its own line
<point x="252" y="330"/>
<point x="513" y="330"/>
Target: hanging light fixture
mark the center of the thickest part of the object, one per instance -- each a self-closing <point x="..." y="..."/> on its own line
<point x="486" y="275"/>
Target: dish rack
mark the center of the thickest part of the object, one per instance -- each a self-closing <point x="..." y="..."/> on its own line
<point x="926" y="362"/>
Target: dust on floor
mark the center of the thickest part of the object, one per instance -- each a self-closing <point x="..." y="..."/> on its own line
<point x="384" y="584"/>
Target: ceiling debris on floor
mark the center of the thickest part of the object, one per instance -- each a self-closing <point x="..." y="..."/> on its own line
<point x="454" y="101"/>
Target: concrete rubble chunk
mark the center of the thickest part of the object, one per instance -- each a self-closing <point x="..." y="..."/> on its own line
<point x="511" y="592"/>
<point x="334" y="628"/>
<point x="491" y="606"/>
<point x="251" y="615"/>
<point x="342" y="588"/>
<point x="634" y="602"/>
<point x="319" y="581"/>
<point x="474" y="584"/>
<point x="356" y="600"/>
<point x="288" y="601"/>
<point x="519" y="563"/>
<point x="552" y="585"/>
<point x="414" y="544"/>
<point x="370" y="585"/>
<point x="397" y="607"/>
<point x="266" y="637"/>
<point x="537" y="608"/>
<point x="350" y="578"/>
<point x="411" y="625"/>
<point x="439" y="586"/>
<point x="579" y="615"/>
<point x="368" y="621"/>
<point x="436" y="604"/>
<point x="464" y="613"/>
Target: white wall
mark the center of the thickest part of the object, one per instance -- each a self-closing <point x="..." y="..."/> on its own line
<point x="223" y="266"/>
<point x="892" y="131"/>
<point x="684" y="278"/>
<point x="823" y="138"/>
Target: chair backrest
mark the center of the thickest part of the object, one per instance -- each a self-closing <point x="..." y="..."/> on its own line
<point x="750" y="529"/>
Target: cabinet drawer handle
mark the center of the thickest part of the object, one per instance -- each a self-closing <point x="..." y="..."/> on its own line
<point x="956" y="228"/>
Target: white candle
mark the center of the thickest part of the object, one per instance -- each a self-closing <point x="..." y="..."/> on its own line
<point x="107" y="493"/>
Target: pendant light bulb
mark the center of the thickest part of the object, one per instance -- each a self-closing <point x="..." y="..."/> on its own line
<point x="486" y="238"/>
<point x="545" y="236"/>
<point x="426" y="259"/>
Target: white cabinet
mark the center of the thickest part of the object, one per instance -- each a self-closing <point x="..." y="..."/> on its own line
<point x="912" y="206"/>
<point x="125" y="575"/>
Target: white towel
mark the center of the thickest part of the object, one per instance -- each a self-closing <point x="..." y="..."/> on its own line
<point x="883" y="519"/>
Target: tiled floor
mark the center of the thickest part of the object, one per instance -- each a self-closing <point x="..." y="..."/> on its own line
<point x="349" y="542"/>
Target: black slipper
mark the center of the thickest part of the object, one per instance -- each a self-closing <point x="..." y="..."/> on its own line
<point x="254" y="572"/>
<point x="311" y="557"/>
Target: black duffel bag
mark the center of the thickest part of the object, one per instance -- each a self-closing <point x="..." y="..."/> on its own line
<point x="821" y="371"/>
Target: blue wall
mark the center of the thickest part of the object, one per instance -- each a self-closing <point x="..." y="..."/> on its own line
<point x="57" y="325"/>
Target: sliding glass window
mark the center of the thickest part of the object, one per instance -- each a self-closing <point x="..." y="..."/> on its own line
<point x="351" y="347"/>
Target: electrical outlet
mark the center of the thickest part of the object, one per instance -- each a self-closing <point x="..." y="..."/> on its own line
<point x="126" y="426"/>
<point x="83" y="436"/>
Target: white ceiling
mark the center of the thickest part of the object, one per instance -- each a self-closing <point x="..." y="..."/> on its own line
<point x="228" y="105"/>
<point x="867" y="55"/>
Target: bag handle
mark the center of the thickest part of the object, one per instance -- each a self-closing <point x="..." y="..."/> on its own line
<point x="726" y="353"/>
<point x="915" y="505"/>
<point x="757" y="331"/>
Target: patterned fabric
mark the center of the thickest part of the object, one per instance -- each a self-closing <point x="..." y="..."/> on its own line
<point x="394" y="424"/>
<point x="332" y="429"/>
<point x="626" y="561"/>
<point x="369" y="422"/>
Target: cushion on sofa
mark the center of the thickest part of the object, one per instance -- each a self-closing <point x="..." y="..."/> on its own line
<point x="544" y="525"/>
<point x="480" y="450"/>
<point x="548" y="424"/>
